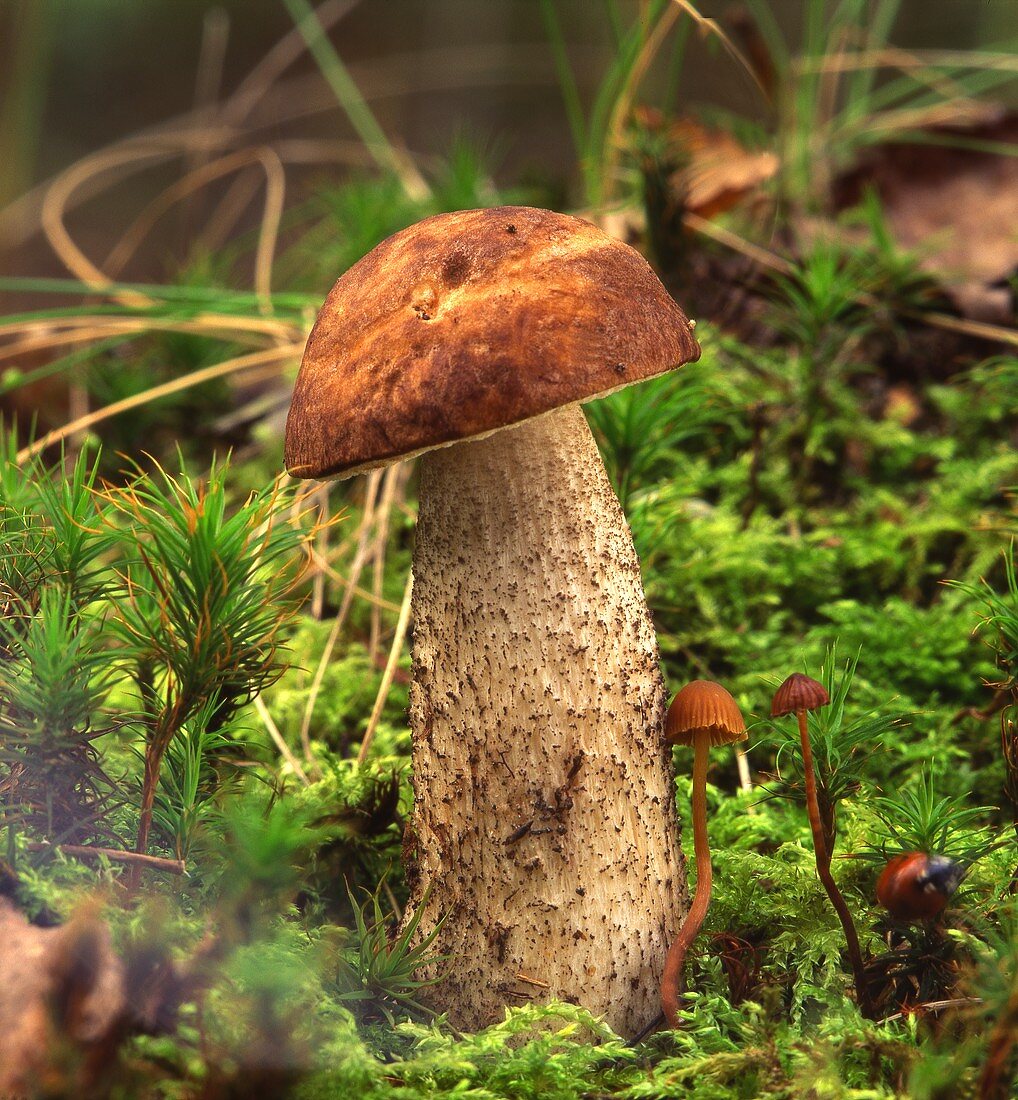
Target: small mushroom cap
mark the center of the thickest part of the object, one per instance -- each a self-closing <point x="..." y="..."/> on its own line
<point x="797" y="693"/>
<point x="703" y="706"/>
<point x="469" y="322"/>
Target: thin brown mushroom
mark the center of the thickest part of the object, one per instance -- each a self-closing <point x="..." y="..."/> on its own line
<point x="702" y="714"/>
<point x="798" y="695"/>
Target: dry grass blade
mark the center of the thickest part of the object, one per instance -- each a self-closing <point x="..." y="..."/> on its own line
<point x="177" y="385"/>
<point x="344" y="582"/>
<point x="389" y="485"/>
<point x="624" y="103"/>
<point x="907" y="60"/>
<point x="320" y="553"/>
<point x="288" y="50"/>
<point x="745" y="776"/>
<point x="53" y="208"/>
<point x="711" y="27"/>
<point x="356" y="568"/>
<point x="275" y="183"/>
<point x="279" y="741"/>
<point x="395" y="651"/>
<point x="82" y="328"/>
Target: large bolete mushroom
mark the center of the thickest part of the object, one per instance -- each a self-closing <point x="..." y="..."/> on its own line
<point x="544" y="825"/>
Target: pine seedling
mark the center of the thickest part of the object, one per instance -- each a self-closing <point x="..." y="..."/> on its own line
<point x="188" y="783"/>
<point x="53" y="676"/>
<point x="916" y="819"/>
<point x="640" y="429"/>
<point x="375" y="974"/>
<point x="205" y="594"/>
<point x="71" y="510"/>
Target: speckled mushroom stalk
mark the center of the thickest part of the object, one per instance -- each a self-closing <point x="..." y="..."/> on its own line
<point x="537" y="705"/>
<point x="702" y="714"/>
<point x="675" y="961"/>
<point x="798" y="695"/>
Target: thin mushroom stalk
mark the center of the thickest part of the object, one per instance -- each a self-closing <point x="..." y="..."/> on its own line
<point x="799" y="694"/>
<point x="675" y="962"/>
<point x="702" y="714"/>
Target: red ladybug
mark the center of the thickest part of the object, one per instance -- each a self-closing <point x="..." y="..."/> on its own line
<point x="916" y="886"/>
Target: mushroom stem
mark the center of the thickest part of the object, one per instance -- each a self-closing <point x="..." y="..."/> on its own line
<point x="544" y="819"/>
<point x="823" y="862"/>
<point x="671" y="978"/>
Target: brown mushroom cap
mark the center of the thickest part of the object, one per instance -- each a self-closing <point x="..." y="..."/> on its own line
<point x="703" y="706"/>
<point x="467" y="323"/>
<point x="797" y="693"/>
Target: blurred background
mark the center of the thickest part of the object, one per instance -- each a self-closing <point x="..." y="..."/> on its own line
<point x="79" y="75"/>
<point x="241" y="153"/>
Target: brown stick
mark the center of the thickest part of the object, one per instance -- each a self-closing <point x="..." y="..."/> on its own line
<point x="823" y="861"/>
<point x="671" y="978"/>
<point x="155" y="863"/>
<point x="153" y="761"/>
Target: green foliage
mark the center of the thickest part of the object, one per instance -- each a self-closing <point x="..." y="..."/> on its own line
<point x="375" y="974"/>
<point x="177" y="421"/>
<point x="348" y="692"/>
<point x="1000" y="619"/>
<point x="205" y="594"/>
<point x="817" y="305"/>
<point x="781" y="500"/>
<point x="359" y="811"/>
<point x="265" y="843"/>
<point x="190" y="784"/>
<point x="592" y="128"/>
<point x="915" y="819"/>
<point x="640" y="428"/>
<point x="827" y="112"/>
<point x="51" y="683"/>
<point x="842" y="745"/>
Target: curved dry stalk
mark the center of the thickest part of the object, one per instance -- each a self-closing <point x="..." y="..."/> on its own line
<point x="344" y="582"/>
<point x="320" y="553"/>
<point x="711" y="26"/>
<point x="774" y="262"/>
<point x="624" y="102"/>
<point x="177" y="385"/>
<point x="279" y="741"/>
<point x="275" y="185"/>
<point x="287" y="51"/>
<point x="395" y="651"/>
<point x="81" y="328"/>
<point x="890" y="57"/>
<point x="52" y="218"/>
<point x="440" y="69"/>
